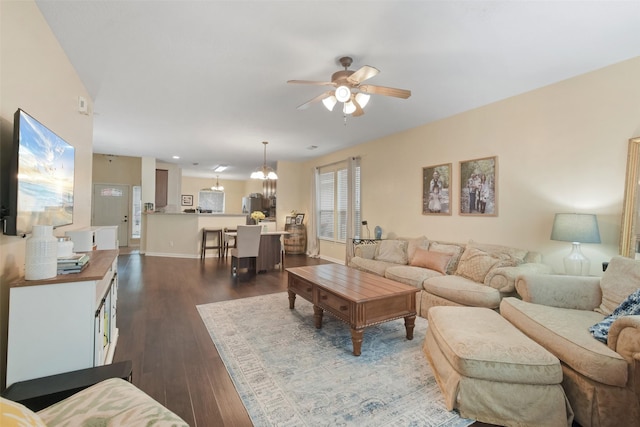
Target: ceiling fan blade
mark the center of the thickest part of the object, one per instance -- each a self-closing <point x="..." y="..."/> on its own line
<point x="386" y="91"/>
<point x="316" y="99"/>
<point x="363" y="73"/>
<point x="359" y="111"/>
<point x="310" y="82"/>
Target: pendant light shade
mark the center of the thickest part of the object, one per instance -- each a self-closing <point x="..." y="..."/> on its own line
<point x="330" y="102"/>
<point x="362" y="99"/>
<point x="264" y="172"/>
<point x="217" y="187"/>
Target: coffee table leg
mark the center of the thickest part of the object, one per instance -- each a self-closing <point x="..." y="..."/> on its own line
<point x="409" y="324"/>
<point x="292" y="299"/>
<point x="356" y="339"/>
<point x="317" y="316"/>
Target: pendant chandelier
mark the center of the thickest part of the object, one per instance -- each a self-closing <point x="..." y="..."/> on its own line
<point x="217" y="187"/>
<point x="264" y="172"/>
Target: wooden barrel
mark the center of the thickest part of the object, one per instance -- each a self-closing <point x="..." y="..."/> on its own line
<point x="296" y="241"/>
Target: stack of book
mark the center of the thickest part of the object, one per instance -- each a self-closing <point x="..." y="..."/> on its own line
<point x="73" y="264"/>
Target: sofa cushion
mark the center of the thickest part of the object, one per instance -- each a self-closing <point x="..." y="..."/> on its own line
<point x="413" y="244"/>
<point x="432" y="260"/>
<point x="370" y="265"/>
<point x="630" y="306"/>
<point x="454" y="250"/>
<point x="463" y="291"/>
<point x="565" y="333"/>
<point x="514" y="253"/>
<point x="479" y="343"/>
<point x="475" y="263"/>
<point x="394" y="251"/>
<point x="409" y="275"/>
<point x="14" y="414"/>
<point x="113" y="402"/>
<point x="618" y="282"/>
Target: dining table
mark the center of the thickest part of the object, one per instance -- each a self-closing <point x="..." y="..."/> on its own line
<point x="271" y="253"/>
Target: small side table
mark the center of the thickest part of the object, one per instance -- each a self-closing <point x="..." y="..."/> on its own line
<point x="39" y="393"/>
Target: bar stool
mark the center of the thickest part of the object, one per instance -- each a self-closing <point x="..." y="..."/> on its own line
<point x="217" y="232"/>
<point x="225" y="249"/>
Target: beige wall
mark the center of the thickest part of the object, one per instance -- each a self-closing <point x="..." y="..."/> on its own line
<point x="37" y="77"/>
<point x="233" y="192"/>
<point x="561" y="148"/>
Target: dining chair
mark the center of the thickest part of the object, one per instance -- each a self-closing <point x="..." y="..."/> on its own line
<point x="229" y="241"/>
<point x="245" y="254"/>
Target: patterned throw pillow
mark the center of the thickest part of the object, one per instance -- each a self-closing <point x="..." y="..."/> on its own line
<point x="432" y="260"/>
<point x="14" y="414"/>
<point x="392" y="251"/>
<point x="629" y="307"/>
<point x="475" y="264"/>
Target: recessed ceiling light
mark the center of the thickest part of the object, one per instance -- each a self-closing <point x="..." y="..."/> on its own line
<point x="220" y="168"/>
<point x="176" y="157"/>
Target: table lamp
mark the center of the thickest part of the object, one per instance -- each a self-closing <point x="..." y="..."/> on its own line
<point x="576" y="228"/>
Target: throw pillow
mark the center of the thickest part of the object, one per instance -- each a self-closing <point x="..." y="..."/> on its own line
<point x="432" y="260"/>
<point x="619" y="280"/>
<point x="514" y="253"/>
<point x="454" y="250"/>
<point x="394" y="251"/>
<point x="14" y="414"/>
<point x="413" y="244"/>
<point x="629" y="307"/>
<point x="475" y="264"/>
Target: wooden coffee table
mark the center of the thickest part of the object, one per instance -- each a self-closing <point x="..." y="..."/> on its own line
<point x="357" y="298"/>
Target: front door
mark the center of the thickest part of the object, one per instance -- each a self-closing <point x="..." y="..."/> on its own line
<point x="111" y="207"/>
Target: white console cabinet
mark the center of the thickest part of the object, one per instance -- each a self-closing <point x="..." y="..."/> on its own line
<point x="103" y="237"/>
<point x="65" y="323"/>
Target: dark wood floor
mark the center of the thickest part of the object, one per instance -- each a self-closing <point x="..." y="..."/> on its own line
<point x="174" y="359"/>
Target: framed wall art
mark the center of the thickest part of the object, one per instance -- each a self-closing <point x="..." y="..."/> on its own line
<point x="436" y="182"/>
<point x="479" y="187"/>
<point x="187" y="200"/>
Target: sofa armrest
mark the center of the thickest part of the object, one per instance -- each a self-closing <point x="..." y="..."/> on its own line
<point x="575" y="292"/>
<point x="504" y="278"/>
<point x="624" y="337"/>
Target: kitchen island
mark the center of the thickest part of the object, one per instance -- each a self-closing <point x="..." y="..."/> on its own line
<point x="179" y="235"/>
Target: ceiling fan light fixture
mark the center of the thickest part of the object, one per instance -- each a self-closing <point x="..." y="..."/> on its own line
<point x="264" y="172"/>
<point x="362" y="99"/>
<point x="330" y="102"/>
<point x="349" y="107"/>
<point x="343" y="93"/>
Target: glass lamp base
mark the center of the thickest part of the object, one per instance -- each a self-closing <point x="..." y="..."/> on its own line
<point x="576" y="264"/>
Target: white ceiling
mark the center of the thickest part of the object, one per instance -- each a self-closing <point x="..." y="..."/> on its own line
<point x="206" y="80"/>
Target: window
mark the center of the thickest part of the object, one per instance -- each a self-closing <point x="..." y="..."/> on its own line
<point x="334" y="201"/>
<point x="211" y="201"/>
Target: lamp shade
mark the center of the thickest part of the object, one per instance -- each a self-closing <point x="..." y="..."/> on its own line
<point x="572" y="227"/>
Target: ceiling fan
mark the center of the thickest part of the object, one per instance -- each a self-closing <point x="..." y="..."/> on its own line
<point x="349" y="89"/>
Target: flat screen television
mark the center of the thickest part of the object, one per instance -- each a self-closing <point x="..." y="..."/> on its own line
<point x="41" y="177"/>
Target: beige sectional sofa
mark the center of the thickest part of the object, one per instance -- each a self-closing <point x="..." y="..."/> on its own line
<point x="471" y="274"/>
<point x="601" y="381"/>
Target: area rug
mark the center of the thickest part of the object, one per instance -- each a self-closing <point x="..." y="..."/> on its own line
<point x="288" y="373"/>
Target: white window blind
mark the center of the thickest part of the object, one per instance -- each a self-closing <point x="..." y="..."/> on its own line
<point x="333" y="202"/>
